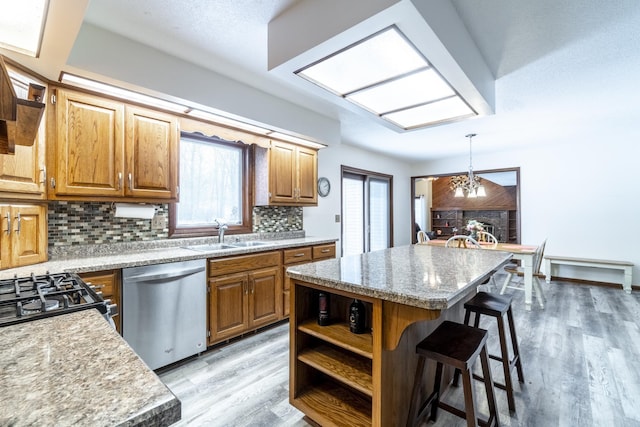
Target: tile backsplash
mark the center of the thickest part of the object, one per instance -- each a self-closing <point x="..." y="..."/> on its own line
<point x="86" y="223"/>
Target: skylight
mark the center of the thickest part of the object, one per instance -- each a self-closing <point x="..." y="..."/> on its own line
<point x="386" y="75"/>
<point x="22" y="25"/>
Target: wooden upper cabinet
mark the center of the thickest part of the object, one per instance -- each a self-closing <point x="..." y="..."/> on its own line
<point x="23" y="173"/>
<point x="107" y="150"/>
<point x="89" y="146"/>
<point x="285" y="175"/>
<point x="23" y="239"/>
<point x="151" y="153"/>
<point x="307" y="159"/>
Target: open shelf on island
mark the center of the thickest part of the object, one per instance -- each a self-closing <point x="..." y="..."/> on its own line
<point x="336" y="404"/>
<point x="341" y="365"/>
<point x="338" y="333"/>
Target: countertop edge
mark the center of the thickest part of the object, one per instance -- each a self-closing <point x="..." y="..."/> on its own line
<point x="149" y="257"/>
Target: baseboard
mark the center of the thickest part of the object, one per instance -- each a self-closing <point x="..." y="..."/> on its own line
<point x="593" y="282"/>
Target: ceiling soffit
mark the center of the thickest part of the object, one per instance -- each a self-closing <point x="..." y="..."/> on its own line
<point x="295" y="41"/>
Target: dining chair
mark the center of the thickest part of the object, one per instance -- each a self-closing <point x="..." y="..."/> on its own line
<point x="519" y="272"/>
<point x="486" y="237"/>
<point x="423" y="237"/>
<point x="462" y="241"/>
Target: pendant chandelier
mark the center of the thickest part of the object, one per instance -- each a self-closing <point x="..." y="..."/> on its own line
<point x="470" y="184"/>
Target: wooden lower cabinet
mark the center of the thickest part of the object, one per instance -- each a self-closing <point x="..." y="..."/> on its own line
<point x="302" y="255"/>
<point x="23" y="238"/>
<point x="109" y="283"/>
<point x="244" y="293"/>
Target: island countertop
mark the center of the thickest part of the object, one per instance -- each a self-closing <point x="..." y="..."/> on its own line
<point x="74" y="370"/>
<point x="417" y="275"/>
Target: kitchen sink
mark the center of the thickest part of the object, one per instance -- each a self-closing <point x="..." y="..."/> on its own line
<point x="211" y="247"/>
<point x="249" y="244"/>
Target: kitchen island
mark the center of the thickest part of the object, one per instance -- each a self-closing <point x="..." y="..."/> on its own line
<point x="341" y="378"/>
<point x="75" y="370"/>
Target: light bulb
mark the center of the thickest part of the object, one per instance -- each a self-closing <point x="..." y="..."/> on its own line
<point x="459" y="192"/>
<point x="481" y="191"/>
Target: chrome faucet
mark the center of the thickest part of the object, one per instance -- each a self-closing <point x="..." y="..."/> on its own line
<point x="222" y="226"/>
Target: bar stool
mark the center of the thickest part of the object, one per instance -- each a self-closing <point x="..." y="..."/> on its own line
<point x="496" y="306"/>
<point x="458" y="346"/>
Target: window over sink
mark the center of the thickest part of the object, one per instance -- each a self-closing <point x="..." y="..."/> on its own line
<point x="214" y="183"/>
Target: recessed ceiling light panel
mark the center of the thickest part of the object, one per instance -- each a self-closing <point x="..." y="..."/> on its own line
<point x="452" y="108"/>
<point x="386" y="75"/>
<point x="415" y="89"/>
<point x="22" y="25"/>
<point x="384" y="56"/>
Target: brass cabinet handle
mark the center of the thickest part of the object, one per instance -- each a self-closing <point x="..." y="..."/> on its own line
<point x="119" y="180"/>
<point x="299" y="255"/>
<point x="324" y="251"/>
<point x="19" y="223"/>
<point x="53" y="182"/>
<point x="130" y="181"/>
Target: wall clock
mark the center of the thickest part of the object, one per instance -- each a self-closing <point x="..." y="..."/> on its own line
<point x="324" y="187"/>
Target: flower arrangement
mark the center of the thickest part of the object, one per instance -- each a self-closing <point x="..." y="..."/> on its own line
<point x="474" y="226"/>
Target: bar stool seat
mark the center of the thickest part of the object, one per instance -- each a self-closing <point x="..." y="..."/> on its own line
<point x="458" y="346"/>
<point x="496" y="306"/>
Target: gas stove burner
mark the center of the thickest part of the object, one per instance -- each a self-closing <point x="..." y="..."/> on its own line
<point x="35" y="297"/>
<point x="36" y="306"/>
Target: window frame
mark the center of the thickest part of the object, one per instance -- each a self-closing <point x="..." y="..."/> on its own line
<point x="247" y="195"/>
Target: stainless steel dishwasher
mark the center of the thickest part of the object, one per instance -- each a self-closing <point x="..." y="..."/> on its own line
<point x="164" y="311"/>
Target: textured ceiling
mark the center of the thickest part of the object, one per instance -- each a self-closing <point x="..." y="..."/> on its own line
<point x="543" y="54"/>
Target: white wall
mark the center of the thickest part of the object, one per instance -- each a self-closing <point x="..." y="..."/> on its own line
<point x="583" y="198"/>
<point x="320" y="220"/>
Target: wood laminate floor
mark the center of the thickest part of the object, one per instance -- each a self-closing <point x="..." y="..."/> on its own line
<point x="581" y="359"/>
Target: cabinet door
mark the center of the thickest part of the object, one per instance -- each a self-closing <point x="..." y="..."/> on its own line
<point x="151" y="153"/>
<point x="28" y="235"/>
<point x="265" y="296"/>
<point x="5" y="241"/>
<point x="228" y="306"/>
<point x="282" y="173"/>
<point x="307" y="176"/>
<point x="107" y="282"/>
<point x="89" y="145"/>
<point x="22" y="174"/>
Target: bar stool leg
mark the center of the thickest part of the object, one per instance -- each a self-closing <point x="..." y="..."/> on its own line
<point x="488" y="385"/>
<point x="514" y="344"/>
<point x="506" y="364"/>
<point x="469" y="399"/>
<point x="467" y="316"/>
<point x="436" y="391"/>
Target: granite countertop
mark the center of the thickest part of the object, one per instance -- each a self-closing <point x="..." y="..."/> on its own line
<point x="75" y="370"/>
<point x="94" y="258"/>
<point x="422" y="276"/>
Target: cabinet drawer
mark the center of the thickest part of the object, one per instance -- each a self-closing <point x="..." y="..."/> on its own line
<point x="104" y="283"/>
<point x="243" y="263"/>
<point x="297" y="255"/>
<point x="324" y="251"/>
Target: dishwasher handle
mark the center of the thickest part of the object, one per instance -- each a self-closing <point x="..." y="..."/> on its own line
<point x="174" y="274"/>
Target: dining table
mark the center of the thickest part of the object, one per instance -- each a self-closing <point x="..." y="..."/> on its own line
<point x="524" y="253"/>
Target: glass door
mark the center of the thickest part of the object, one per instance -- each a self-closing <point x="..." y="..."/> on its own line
<point x="366" y="211"/>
